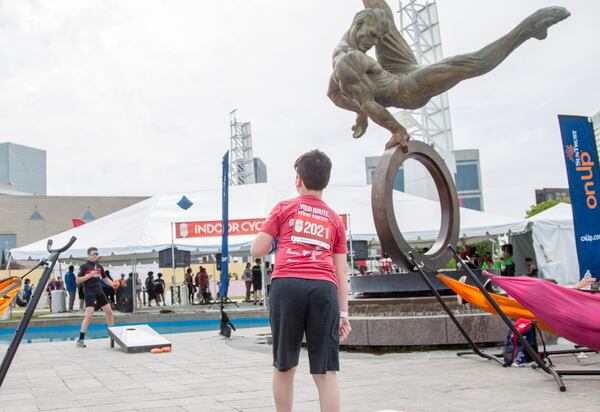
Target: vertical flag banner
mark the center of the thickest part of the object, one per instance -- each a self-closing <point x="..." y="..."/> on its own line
<point x="224" y="237"/>
<point x="581" y="158"/>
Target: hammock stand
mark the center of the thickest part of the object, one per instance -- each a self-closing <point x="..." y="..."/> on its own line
<point x="557" y="374"/>
<point x="35" y="298"/>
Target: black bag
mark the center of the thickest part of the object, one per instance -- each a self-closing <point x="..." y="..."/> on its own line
<point x="20" y="302"/>
<point x="124" y="300"/>
<point x="226" y="325"/>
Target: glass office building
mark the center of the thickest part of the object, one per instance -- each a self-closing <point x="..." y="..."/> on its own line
<point x="22" y="170"/>
<point x="371" y="165"/>
<point x="468" y="179"/>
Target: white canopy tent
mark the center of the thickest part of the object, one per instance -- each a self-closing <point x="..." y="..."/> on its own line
<point x="553" y="235"/>
<point x="419" y="219"/>
<point x="146" y="227"/>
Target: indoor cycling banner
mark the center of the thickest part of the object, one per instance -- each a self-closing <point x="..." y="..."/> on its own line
<point x="581" y="158"/>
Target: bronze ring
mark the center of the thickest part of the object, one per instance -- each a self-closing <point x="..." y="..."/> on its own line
<point x="382" y="194"/>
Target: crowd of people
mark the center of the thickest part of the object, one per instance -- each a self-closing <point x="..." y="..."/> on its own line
<point x="154" y="288"/>
<point x="152" y="291"/>
<point x="385" y="266"/>
<point x="505" y="264"/>
<point x="253" y="278"/>
<point x="198" y="289"/>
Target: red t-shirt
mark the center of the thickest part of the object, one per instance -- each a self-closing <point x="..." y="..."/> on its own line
<point x="309" y="234"/>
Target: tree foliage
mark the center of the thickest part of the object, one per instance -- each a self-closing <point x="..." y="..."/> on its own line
<point x="540" y="207"/>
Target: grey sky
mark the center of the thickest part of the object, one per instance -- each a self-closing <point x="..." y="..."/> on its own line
<point x="132" y="97"/>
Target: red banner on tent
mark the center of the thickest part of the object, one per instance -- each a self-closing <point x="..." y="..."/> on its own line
<point x="345" y="221"/>
<point x="214" y="228"/>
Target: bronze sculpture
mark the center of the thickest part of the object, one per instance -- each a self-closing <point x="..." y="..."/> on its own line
<point x="367" y="86"/>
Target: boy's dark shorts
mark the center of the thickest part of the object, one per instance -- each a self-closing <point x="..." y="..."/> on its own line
<point x="80" y="293"/>
<point x="302" y="306"/>
<point x="92" y="298"/>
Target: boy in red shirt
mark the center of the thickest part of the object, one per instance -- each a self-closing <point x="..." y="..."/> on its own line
<point x="309" y="287"/>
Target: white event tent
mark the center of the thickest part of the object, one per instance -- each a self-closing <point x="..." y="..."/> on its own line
<point x="146" y="227"/>
<point x="553" y="236"/>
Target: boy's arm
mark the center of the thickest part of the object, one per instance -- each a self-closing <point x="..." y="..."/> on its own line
<point x="341" y="271"/>
<point x="262" y="245"/>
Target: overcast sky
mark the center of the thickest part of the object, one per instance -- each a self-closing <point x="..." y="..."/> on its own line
<point x="132" y="97"/>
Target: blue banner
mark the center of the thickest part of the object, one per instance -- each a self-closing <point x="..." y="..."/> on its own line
<point x="581" y="158"/>
<point x="224" y="237"/>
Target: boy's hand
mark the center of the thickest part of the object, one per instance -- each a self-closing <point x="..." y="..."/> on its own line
<point x="345" y="329"/>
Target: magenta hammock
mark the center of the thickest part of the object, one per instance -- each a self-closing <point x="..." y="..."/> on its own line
<point x="571" y="313"/>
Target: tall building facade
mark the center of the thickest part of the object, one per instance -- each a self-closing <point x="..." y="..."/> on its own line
<point x="260" y="171"/>
<point x="22" y="170"/>
<point x="468" y="178"/>
<point x="371" y="165"/>
<point x="27" y="219"/>
<point x="551" y="193"/>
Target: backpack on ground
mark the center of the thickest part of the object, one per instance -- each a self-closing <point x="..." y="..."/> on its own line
<point x="514" y="352"/>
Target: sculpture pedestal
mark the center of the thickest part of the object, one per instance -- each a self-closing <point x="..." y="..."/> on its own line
<point x="419" y="322"/>
<point x="404" y="284"/>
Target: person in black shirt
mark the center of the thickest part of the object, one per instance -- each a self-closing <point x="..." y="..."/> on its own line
<point x="92" y="276"/>
<point x="109" y="291"/>
<point x="507" y="260"/>
<point x="532" y="270"/>
<point x="151" y="288"/>
<point x="257" y="282"/>
<point x="160" y="289"/>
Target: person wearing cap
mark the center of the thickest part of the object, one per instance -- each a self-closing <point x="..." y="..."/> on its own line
<point x="91" y="276"/>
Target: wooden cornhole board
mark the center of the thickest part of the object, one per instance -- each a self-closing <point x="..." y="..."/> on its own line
<point x="136" y="338"/>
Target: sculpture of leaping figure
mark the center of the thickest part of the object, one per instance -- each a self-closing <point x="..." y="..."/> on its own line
<point x="367" y="86"/>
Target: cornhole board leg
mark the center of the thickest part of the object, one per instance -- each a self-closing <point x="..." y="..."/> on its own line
<point x="532" y="353"/>
<point x="136" y="338"/>
<point x="476" y="350"/>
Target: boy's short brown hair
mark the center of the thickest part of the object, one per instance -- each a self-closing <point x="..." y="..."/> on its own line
<point x="314" y="168"/>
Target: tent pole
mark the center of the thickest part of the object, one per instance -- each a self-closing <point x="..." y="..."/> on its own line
<point x="351" y="247"/>
<point x="172" y="264"/>
<point x="8" y="262"/>
<point x="215" y="277"/>
<point x="134" y="284"/>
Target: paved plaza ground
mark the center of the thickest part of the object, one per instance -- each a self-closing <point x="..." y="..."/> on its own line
<point x="208" y="373"/>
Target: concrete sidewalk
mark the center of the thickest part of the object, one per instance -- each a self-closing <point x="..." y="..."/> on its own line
<point x="207" y="373"/>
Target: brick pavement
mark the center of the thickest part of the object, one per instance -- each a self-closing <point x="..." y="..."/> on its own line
<point x="207" y="373"/>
